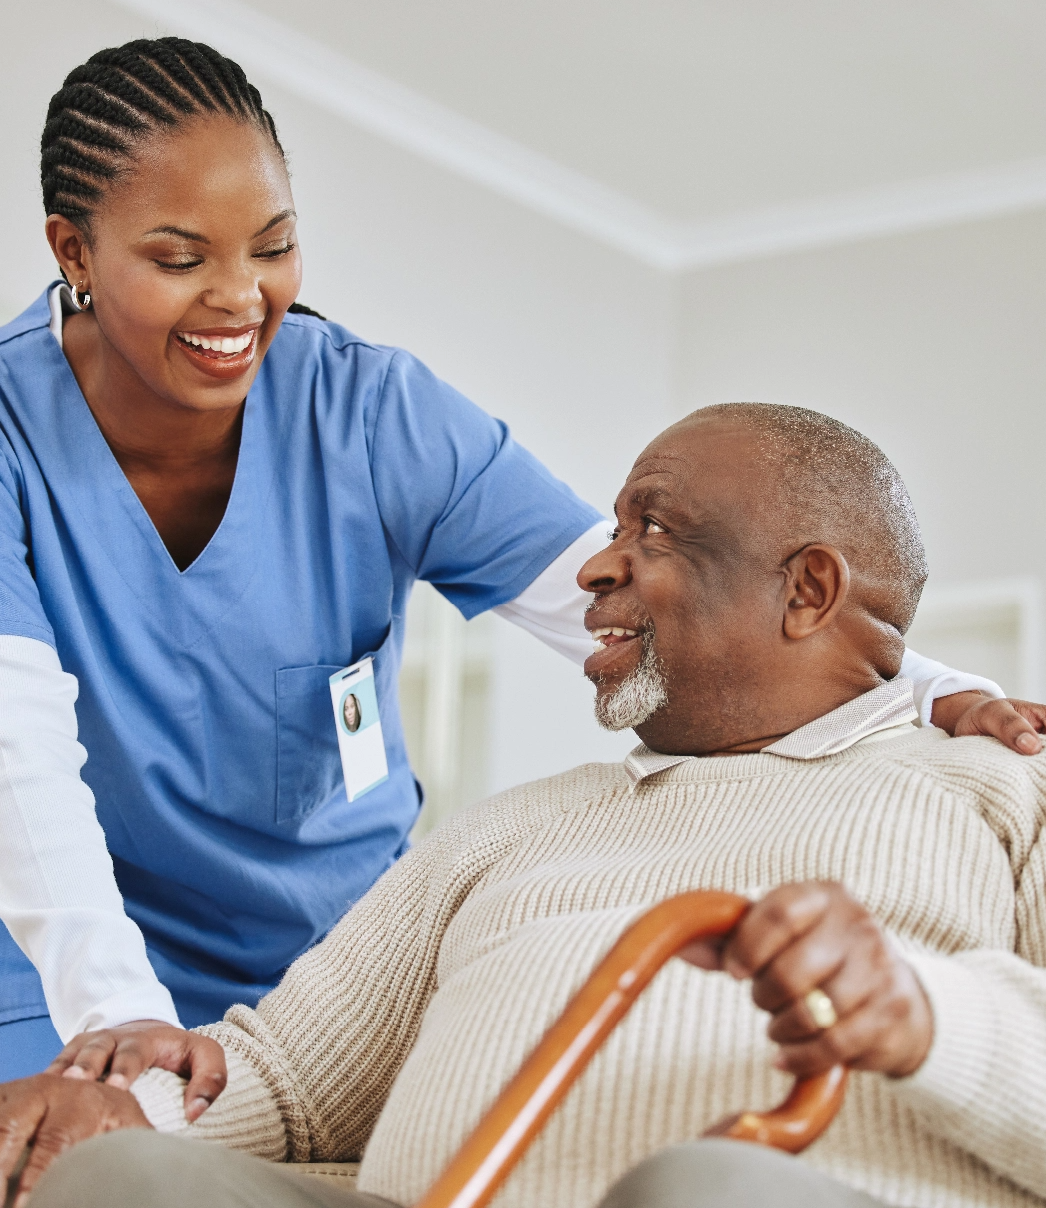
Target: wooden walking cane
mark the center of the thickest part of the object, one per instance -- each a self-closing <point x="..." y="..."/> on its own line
<point x="485" y="1160"/>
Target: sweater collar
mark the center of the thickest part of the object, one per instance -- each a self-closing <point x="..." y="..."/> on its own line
<point x="890" y="706"/>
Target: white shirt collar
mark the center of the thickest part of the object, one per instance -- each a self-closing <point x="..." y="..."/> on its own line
<point x="890" y="706"/>
<point x="60" y="300"/>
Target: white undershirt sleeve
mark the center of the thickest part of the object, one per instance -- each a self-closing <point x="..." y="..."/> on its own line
<point x="552" y="608"/>
<point x="58" y="894"/>
<point x="933" y="680"/>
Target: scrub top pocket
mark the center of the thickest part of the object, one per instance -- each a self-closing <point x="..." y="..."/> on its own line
<point x="308" y="766"/>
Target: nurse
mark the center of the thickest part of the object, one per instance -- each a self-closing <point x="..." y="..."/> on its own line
<point x="211" y="501"/>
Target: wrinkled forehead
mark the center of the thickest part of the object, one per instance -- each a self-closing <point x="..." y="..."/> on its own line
<point x="699" y="469"/>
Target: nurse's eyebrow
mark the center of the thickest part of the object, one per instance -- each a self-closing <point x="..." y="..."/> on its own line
<point x="277" y="218"/>
<point x="192" y="236"/>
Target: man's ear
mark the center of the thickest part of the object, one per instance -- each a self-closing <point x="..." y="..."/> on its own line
<point x="69" y="246"/>
<point x="816" y="586"/>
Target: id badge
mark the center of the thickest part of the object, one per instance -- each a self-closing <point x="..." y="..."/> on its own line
<point x="360" y="741"/>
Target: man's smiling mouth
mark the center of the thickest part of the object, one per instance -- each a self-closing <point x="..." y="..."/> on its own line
<point x="610" y="650"/>
<point x="611" y="635"/>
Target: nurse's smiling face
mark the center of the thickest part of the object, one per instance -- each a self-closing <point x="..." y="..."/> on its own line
<point x="193" y="245"/>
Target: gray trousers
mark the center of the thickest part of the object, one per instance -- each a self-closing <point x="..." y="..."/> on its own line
<point x="140" y="1169"/>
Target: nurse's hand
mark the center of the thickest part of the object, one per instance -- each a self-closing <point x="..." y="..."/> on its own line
<point x="53" y="1114"/>
<point x="120" y="1054"/>
<point x="1016" y="723"/>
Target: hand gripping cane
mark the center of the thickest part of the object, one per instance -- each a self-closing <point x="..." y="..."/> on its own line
<point x="497" y="1143"/>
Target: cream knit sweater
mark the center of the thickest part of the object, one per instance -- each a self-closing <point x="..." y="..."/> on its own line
<point x="392" y="1036"/>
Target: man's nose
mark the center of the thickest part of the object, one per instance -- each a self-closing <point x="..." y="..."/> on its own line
<point x="605" y="571"/>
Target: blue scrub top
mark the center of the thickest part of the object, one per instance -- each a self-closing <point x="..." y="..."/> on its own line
<point x="204" y="703"/>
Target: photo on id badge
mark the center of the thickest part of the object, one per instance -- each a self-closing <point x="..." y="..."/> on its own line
<point x="360" y="740"/>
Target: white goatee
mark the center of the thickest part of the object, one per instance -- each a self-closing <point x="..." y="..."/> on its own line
<point x="641" y="693"/>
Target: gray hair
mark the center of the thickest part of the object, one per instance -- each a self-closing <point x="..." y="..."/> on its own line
<point x="839" y="488"/>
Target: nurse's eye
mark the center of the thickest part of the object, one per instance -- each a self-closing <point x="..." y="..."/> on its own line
<point x="189" y="262"/>
<point x="273" y="253"/>
<point x="652" y="526"/>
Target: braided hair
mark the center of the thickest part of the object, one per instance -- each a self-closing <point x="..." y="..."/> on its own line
<point x="120" y="97"/>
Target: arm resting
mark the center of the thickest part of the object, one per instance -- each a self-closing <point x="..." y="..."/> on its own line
<point x="58" y="894"/>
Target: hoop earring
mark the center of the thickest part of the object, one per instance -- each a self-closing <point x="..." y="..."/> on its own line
<point x="79" y="303"/>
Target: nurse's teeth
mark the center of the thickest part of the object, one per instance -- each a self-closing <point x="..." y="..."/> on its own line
<point x="223" y="344"/>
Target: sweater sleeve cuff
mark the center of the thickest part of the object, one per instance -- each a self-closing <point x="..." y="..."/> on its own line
<point x="244" y="1116"/>
<point x="958" y="1067"/>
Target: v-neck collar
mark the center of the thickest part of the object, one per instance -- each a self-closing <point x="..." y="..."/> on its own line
<point x="93" y="478"/>
<point x="59" y="305"/>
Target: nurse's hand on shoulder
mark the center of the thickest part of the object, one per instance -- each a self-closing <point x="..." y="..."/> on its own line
<point x="1016" y="723"/>
<point x="53" y="1114"/>
<point x="120" y="1054"/>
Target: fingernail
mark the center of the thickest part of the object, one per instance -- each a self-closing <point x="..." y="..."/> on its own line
<point x="119" y="1081"/>
<point x="1028" y="742"/>
<point x="74" y="1071"/>
<point x="198" y="1107"/>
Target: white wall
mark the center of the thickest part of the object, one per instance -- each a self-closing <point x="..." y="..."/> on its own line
<point x="930" y="343"/>
<point x="567" y="341"/>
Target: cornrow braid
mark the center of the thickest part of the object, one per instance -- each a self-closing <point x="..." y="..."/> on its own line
<point x="123" y="95"/>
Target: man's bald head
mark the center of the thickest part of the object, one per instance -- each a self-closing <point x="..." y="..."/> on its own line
<point x="832" y="485"/>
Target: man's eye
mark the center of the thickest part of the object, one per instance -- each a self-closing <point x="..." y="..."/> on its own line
<point x="652" y="526"/>
<point x="613" y="534"/>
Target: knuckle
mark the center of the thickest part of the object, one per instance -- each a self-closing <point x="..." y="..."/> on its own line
<point x="787" y="909"/>
<point x="56" y="1139"/>
<point x="764" y="995"/>
<point x="98" y="1040"/>
<point x="832" y="1046"/>
<point x="777" y="912"/>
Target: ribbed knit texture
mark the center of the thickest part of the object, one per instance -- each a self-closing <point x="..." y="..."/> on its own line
<point x="396" y="1032"/>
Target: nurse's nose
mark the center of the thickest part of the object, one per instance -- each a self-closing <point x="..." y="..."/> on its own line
<point x="236" y="290"/>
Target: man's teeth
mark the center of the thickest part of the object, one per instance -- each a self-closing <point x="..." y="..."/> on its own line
<point x="610" y="631"/>
<point x="225" y="344"/>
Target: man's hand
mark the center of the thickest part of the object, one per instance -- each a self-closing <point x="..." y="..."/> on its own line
<point x="54" y="1114"/>
<point x="126" y="1051"/>
<point x="815" y="936"/>
<point x="1017" y="723"/>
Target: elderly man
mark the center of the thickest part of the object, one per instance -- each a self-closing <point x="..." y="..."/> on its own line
<point x="749" y="616"/>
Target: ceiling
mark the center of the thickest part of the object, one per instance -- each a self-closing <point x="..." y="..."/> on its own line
<point x="703" y="108"/>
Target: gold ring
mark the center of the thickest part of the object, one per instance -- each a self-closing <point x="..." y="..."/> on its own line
<point x="821" y="1008"/>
